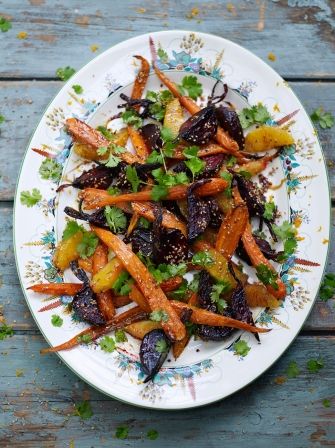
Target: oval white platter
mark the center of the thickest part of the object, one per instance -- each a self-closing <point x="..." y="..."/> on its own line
<point x="206" y="372"/>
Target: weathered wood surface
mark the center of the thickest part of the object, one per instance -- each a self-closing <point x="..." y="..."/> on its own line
<point x="37" y="407"/>
<point x="322" y="317"/>
<point x="26" y="100"/>
<point x="299" y="32"/>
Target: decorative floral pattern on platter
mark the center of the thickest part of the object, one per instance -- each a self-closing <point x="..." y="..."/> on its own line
<point x="189" y="58"/>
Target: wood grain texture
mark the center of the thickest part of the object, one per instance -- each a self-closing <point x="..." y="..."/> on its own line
<point x="37" y="408"/>
<point x="322" y="317"/>
<point x="300" y="33"/>
<point x="26" y="101"/>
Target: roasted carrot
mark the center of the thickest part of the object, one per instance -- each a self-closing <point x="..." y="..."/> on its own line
<point x="231" y="230"/>
<point x="133" y="223"/>
<point x="120" y="321"/>
<point x="120" y="301"/>
<point x="179" y="346"/>
<point x="206" y="150"/>
<point x="105" y="298"/>
<point x="255" y="167"/>
<point x="171" y="283"/>
<point x="136" y="296"/>
<point x="156" y="298"/>
<point x="83" y="133"/>
<point x="204" y="317"/>
<point x="141" y="78"/>
<point x="139" y="144"/>
<point x="258" y="295"/>
<point x="191" y="106"/>
<point x="95" y="198"/>
<point x="86" y="264"/>
<point x="257" y="259"/>
<point x="57" y="289"/>
<point x="169" y="221"/>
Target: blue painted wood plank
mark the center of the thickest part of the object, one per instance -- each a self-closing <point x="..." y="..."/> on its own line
<point x="300" y="33"/>
<point x="24" y="103"/>
<point x="37" y="407"/>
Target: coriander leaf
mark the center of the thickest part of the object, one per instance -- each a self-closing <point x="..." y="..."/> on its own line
<point x="6" y="332"/>
<point x="65" y="73"/>
<point x="255" y="115"/>
<point x="107" y="344"/>
<point x="326" y="403"/>
<point x="191" y="328"/>
<point x="161" y="346"/>
<point x="106" y="133"/>
<point x="116" y="219"/>
<point x="132" y="177"/>
<point x="191" y="151"/>
<point x="5" y="25"/>
<point x="112" y="161"/>
<point x="164" y="271"/>
<point x="155" y="157"/>
<point x="228" y="177"/>
<point x="290" y="246"/>
<point x="160" y="100"/>
<point x="246" y="174"/>
<point x="218" y="289"/>
<point x="144" y="223"/>
<point x="168" y="148"/>
<point x="113" y="190"/>
<point x="181" y="178"/>
<point x="195" y="165"/>
<point x="327" y="289"/>
<point x="166" y="134"/>
<point x="292" y="370"/>
<point x="202" y="258"/>
<point x="324" y="119"/>
<point x="285" y="230"/>
<point x="56" y="320"/>
<point x="50" y="169"/>
<point x="314" y="365"/>
<point x="84" y="410"/>
<point x="159" y="192"/>
<point x="78" y="89"/>
<point x="30" y="198"/>
<point x="84" y="339"/>
<point x="120" y="281"/>
<point x="71" y="228"/>
<point x="120" y="336"/>
<point x="126" y="288"/>
<point x="180" y="292"/>
<point x="231" y="161"/>
<point x="267" y="275"/>
<point x="132" y="118"/>
<point x="102" y="150"/>
<point x="2" y="119"/>
<point x="269" y="210"/>
<point x="152" y="434"/>
<point x="88" y="244"/>
<point x="159" y="316"/>
<point x="192" y="86"/>
<point x="194" y="283"/>
<point x="241" y="348"/>
<point x="122" y="432"/>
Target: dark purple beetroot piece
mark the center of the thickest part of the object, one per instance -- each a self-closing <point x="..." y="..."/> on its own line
<point x="199" y="214"/>
<point x="151" y="134"/>
<point x="213" y="164"/>
<point x="142" y="240"/>
<point x="201" y="127"/>
<point x="240" y="306"/>
<point x="229" y="121"/>
<point x="100" y="176"/>
<point x="84" y="303"/>
<point x="252" y="196"/>
<point x="215" y="213"/>
<point x="169" y="245"/>
<point x="97" y="218"/>
<point x="154" y="349"/>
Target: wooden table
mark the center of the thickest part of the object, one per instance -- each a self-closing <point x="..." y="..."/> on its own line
<point x="36" y="408"/>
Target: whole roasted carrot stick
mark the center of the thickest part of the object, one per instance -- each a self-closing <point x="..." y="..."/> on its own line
<point x="231" y="230"/>
<point x="95" y="198"/>
<point x="120" y="321"/>
<point x="105" y="298"/>
<point x="156" y="298"/>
